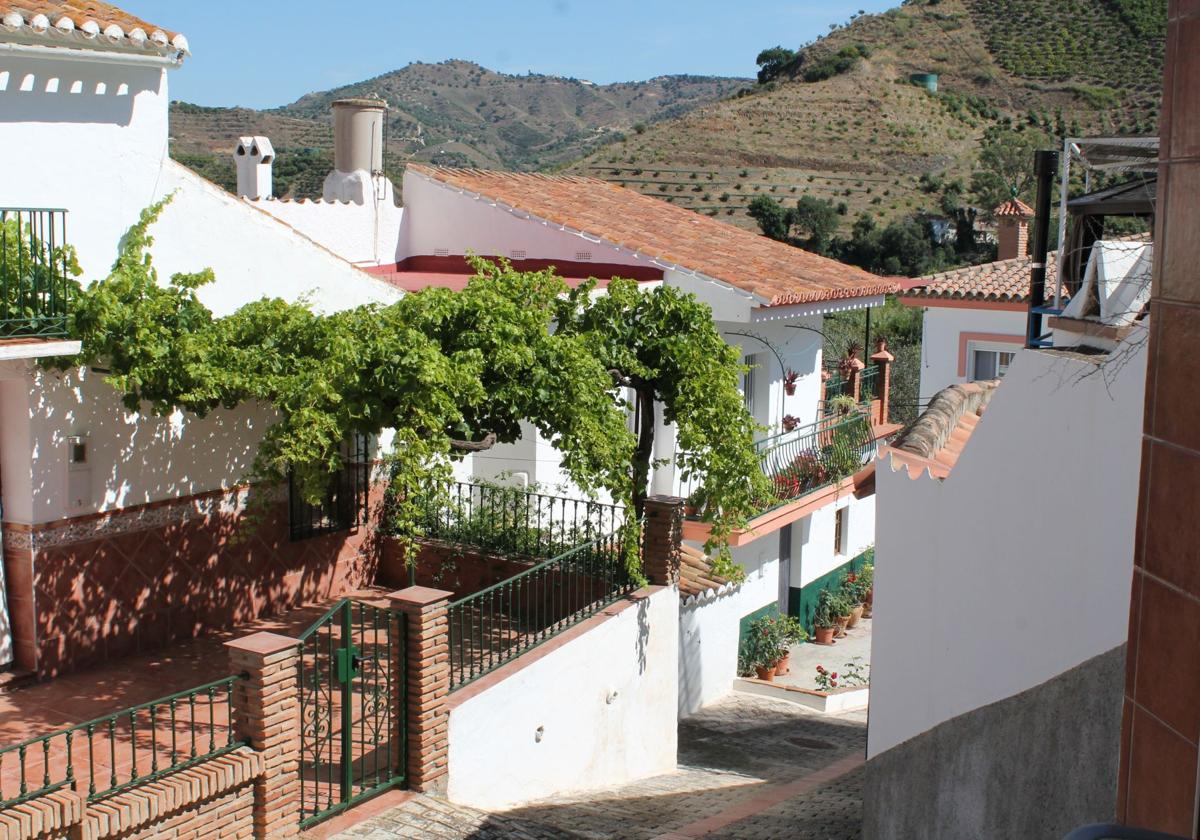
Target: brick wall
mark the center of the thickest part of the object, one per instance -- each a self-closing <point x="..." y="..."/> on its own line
<point x="92" y="589"/>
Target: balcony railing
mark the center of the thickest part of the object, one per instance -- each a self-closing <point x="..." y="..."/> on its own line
<point x="35" y="268"/>
<point x="814" y="456"/>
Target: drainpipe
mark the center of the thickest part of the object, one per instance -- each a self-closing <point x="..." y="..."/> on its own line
<point x="1044" y="165"/>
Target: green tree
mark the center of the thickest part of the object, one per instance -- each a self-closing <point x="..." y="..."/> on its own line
<point x="772" y="62"/>
<point x="1006" y="167"/>
<point x="817" y="221"/>
<point x="662" y="344"/>
<point x="774" y="220"/>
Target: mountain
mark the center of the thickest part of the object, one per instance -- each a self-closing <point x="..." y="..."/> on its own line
<point x="843" y="119"/>
<point x="455" y="113"/>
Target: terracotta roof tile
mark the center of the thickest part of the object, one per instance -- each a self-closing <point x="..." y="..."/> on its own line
<point x="1014" y="207"/>
<point x="937" y="438"/>
<point x="1004" y="281"/>
<point x="81" y="23"/>
<point x="695" y="573"/>
<point x="777" y="273"/>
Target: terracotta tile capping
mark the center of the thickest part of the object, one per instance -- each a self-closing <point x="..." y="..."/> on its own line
<point x="526" y="659"/>
<point x="50" y="815"/>
<point x="145" y="804"/>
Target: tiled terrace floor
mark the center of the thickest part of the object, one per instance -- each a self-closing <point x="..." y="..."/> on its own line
<point x="41" y="709"/>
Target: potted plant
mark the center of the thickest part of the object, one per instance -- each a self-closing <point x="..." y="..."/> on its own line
<point x="694" y="505"/>
<point x="791" y="633"/>
<point x="841" y="611"/>
<point x="790" y="378"/>
<point x="790" y="423"/>
<point x="824" y="619"/>
<point x="866" y="577"/>
<point x="762" y="647"/>
<point x="852" y="591"/>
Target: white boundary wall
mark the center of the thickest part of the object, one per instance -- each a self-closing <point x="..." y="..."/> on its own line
<point x="604" y="704"/>
<point x="942" y="329"/>
<point x="1007" y="573"/>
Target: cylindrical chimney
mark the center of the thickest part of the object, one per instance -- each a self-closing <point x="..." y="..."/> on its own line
<point x="358" y="135"/>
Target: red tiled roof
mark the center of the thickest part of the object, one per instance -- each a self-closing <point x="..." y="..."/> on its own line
<point x="1005" y="281"/>
<point x="779" y="274"/>
<point x="696" y="575"/>
<point x="1014" y="207"/>
<point x="936" y="439"/>
<point x="76" y="22"/>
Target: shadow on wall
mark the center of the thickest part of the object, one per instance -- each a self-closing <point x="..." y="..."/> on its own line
<point x="33" y="90"/>
<point x="693" y="671"/>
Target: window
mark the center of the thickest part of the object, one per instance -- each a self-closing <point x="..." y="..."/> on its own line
<point x="345" y="503"/>
<point x="839" y="531"/>
<point x="990" y="364"/>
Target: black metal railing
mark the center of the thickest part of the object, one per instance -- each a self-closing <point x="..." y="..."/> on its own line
<point x="811" y="457"/>
<point x="125" y="748"/>
<point x="507" y="619"/>
<point x="344" y="505"/>
<point x="35" y="269"/>
<point x="837" y="386"/>
<point x="869" y="384"/>
<point x="513" y="521"/>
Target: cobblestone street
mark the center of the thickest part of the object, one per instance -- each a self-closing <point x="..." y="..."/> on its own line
<point x="750" y="768"/>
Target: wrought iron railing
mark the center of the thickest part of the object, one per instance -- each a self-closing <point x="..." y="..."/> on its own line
<point x="344" y="505"/>
<point x="499" y="623"/>
<point x="35" y="268"/>
<point x="836" y="386"/>
<point x="125" y="748"/>
<point x="811" y="457"/>
<point x="868" y="384"/>
<point x="513" y="521"/>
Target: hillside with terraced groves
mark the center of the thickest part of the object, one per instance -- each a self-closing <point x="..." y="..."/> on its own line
<point x="453" y="113"/>
<point x="843" y="119"/>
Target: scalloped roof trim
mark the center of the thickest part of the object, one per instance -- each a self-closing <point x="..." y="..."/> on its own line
<point x="85" y="23"/>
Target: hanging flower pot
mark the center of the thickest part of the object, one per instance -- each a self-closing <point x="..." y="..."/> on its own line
<point x="789" y="382"/>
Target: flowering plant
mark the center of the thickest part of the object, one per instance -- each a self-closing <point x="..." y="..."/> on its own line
<point x="789" y="382"/>
<point x="790" y="423"/>
<point x="852" y="676"/>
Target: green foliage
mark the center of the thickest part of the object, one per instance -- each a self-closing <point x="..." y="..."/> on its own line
<point x="817" y="220"/>
<point x="831" y="606"/>
<point x="440" y="368"/>
<point x="1006" y="166"/>
<point x="773" y="62"/>
<point x="774" y="220"/>
<point x="766" y="641"/>
<point x="30" y="272"/>
<point x="842" y="61"/>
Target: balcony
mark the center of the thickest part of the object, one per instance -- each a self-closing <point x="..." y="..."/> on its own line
<point x="806" y="466"/>
<point x="35" y="274"/>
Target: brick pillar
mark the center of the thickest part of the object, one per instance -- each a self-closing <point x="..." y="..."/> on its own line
<point x="267" y="714"/>
<point x="662" y="539"/>
<point x="825" y="375"/>
<point x="884" y="360"/>
<point x="855" y="365"/>
<point x="428" y="684"/>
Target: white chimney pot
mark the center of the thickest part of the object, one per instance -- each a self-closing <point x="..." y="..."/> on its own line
<point x="254" y="157"/>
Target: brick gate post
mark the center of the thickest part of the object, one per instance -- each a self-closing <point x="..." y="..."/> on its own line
<point x="662" y="539"/>
<point x="267" y="714"/>
<point x="428" y="684"/>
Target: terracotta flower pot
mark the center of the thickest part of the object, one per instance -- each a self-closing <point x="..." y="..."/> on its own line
<point x="784" y="665"/>
<point x="843" y="621"/>
<point x="824" y="635"/>
<point x="790" y="390"/>
<point x="855" y="615"/>
<point x="866" y="611"/>
<point x="765" y="672"/>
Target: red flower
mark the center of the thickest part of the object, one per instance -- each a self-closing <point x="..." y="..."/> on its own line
<point x="833" y="676"/>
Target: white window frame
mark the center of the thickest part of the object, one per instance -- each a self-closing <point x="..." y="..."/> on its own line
<point x="841" y="530"/>
<point x="989" y="347"/>
<point x="750" y="384"/>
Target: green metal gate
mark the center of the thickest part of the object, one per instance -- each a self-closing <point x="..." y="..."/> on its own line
<point x="352" y="708"/>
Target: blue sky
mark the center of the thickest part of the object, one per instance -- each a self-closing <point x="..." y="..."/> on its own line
<point x="261" y="53"/>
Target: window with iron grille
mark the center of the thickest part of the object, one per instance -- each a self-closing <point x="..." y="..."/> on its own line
<point x="345" y="503"/>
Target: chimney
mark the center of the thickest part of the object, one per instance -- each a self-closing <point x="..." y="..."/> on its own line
<point x="1012" y="229"/>
<point x="253" y="158"/>
<point x="358" y="152"/>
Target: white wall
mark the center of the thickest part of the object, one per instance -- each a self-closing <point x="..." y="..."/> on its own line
<point x="364" y="234"/>
<point x="605" y="703"/>
<point x="940" y="341"/>
<point x="132" y="458"/>
<point x="1007" y="573"/>
<point x="709" y="625"/>
<point x="812" y="552"/>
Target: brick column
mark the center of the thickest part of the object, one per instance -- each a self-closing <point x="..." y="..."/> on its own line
<point x="825" y="375"/>
<point x="267" y="714"/>
<point x="428" y="684"/>
<point x="662" y="539"/>
<point x="884" y="360"/>
<point x="855" y="365"/>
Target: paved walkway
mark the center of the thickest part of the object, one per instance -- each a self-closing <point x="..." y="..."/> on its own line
<point x="750" y="768"/>
<point x="805" y="658"/>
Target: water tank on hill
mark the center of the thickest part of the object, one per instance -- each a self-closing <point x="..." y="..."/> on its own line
<point x="926" y="80"/>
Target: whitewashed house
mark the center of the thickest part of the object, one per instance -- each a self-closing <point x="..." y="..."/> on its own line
<point x="768" y="299"/>
<point x="1005" y="537"/>
<point x="106" y="513"/>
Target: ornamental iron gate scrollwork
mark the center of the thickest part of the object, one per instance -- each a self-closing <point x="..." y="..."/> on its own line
<point x="352" y="713"/>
